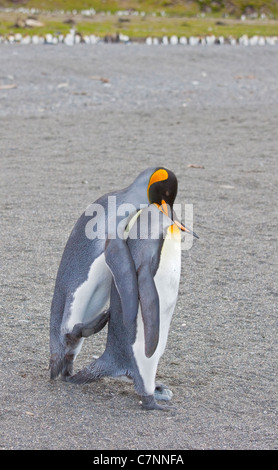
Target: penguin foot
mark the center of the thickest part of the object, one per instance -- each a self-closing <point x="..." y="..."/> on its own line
<point x="81" y="377"/>
<point x="91" y="373"/>
<point x="55" y="365"/>
<point x="149" y="403"/>
<point x="61" y="364"/>
<point x="162" y="392"/>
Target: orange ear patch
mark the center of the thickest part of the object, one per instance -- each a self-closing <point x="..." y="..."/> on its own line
<point x="159" y="175"/>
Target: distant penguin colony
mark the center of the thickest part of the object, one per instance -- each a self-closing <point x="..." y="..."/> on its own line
<point x="128" y="278"/>
<point x="73" y="38"/>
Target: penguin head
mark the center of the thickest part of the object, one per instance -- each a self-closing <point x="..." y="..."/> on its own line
<point x="162" y="187"/>
<point x="162" y="191"/>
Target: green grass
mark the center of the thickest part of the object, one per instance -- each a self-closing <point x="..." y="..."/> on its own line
<point x="156" y="27"/>
<point x="186" y="24"/>
<point x="173" y="7"/>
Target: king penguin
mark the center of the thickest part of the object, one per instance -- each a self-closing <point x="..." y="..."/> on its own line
<point x="89" y="263"/>
<point x="134" y="346"/>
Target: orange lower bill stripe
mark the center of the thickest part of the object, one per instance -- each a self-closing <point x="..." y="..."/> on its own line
<point x="184" y="229"/>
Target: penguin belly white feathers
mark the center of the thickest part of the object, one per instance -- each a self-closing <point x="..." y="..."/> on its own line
<point x="166" y="281"/>
<point x="91" y="297"/>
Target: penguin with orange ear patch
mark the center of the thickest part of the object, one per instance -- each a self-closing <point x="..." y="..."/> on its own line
<point x="134" y="346"/>
<point x="88" y="266"/>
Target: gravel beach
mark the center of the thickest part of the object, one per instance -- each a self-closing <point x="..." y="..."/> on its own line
<point x="77" y="122"/>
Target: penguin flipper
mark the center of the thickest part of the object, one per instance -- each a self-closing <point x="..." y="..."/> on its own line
<point x="84" y="330"/>
<point x="121" y="265"/>
<point x="149" y="302"/>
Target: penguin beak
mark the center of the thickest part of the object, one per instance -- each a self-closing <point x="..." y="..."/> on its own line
<point x="185" y="229"/>
<point x="164" y="208"/>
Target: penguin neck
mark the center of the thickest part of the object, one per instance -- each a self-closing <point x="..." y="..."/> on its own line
<point x="137" y="196"/>
<point x="136" y="192"/>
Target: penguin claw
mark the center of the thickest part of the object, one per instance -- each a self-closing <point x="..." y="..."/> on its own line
<point x="95" y="371"/>
<point x="78" y="378"/>
<point x="149" y="403"/>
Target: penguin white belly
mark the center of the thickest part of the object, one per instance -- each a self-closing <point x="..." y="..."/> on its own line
<point x="166" y="280"/>
<point x="91" y="297"/>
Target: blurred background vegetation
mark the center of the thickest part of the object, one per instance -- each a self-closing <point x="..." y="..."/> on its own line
<point x="155" y="17"/>
<point x="173" y="7"/>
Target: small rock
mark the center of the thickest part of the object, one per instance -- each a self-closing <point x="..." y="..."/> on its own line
<point x="191" y="165"/>
<point x="8" y="87"/>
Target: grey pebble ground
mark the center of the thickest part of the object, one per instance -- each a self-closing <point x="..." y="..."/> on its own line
<point x="77" y="122"/>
